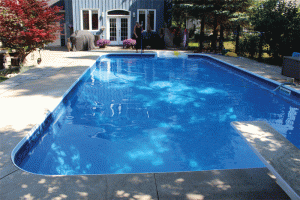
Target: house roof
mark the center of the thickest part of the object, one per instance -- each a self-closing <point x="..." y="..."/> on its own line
<point x="57" y="3"/>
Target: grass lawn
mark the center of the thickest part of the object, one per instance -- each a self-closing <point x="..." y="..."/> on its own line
<point x="5" y="72"/>
<point x="2" y="78"/>
<point x="14" y="70"/>
<point x="193" y="44"/>
<point x="227" y="45"/>
<point x="230" y="45"/>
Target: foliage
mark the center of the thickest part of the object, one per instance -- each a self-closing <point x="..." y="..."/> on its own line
<point x="178" y="15"/>
<point x="229" y="45"/>
<point x="102" y="42"/>
<point x="5" y="72"/>
<point x="26" y="25"/>
<point x="249" y="44"/>
<point x="3" y="78"/>
<point x="280" y="21"/>
<point x="129" y="43"/>
<point x="227" y="12"/>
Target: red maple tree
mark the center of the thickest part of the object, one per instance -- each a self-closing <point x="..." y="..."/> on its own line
<point x="26" y="25"/>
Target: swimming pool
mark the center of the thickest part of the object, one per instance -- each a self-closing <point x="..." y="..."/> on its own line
<point x="133" y="114"/>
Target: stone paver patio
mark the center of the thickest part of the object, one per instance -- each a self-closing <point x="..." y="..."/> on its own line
<point x="25" y="100"/>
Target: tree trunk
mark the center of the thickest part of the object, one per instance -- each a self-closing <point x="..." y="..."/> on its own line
<point x="22" y="57"/>
<point x="215" y="34"/>
<point x="260" y="48"/>
<point x="202" y="33"/>
<point x="237" y="43"/>
<point x="221" y="37"/>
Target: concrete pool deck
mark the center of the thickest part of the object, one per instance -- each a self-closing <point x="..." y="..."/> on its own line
<point x="278" y="154"/>
<point x="25" y="100"/>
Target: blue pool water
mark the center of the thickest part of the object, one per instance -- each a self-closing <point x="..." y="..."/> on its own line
<point x="138" y="115"/>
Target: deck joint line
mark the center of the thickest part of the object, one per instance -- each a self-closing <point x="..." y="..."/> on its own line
<point x="9" y="174"/>
<point x="156" y="186"/>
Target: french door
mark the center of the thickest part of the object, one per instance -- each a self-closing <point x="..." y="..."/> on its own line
<point x="118" y="29"/>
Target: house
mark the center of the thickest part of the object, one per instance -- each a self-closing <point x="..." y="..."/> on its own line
<point x="62" y="37"/>
<point x="112" y="19"/>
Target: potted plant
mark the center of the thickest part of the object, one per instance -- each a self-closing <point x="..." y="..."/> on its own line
<point x="15" y="60"/>
<point x="129" y="43"/>
<point x="102" y="43"/>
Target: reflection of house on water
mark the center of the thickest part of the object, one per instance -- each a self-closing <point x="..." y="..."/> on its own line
<point x="109" y="95"/>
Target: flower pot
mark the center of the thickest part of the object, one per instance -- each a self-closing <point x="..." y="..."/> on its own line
<point x="2" y="59"/>
<point x="102" y="43"/>
<point x="15" y="61"/>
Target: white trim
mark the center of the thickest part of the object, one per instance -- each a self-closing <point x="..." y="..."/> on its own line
<point x="146" y="14"/>
<point x="81" y="21"/>
<point x="65" y="31"/>
<point x="106" y="27"/>
<point x="90" y="19"/>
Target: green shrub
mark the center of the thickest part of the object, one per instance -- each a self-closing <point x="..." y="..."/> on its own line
<point x="249" y="44"/>
<point x="280" y="21"/>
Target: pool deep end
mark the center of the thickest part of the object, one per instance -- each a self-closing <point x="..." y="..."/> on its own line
<point x="153" y="119"/>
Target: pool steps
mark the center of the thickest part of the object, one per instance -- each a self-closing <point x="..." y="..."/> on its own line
<point x="285" y="90"/>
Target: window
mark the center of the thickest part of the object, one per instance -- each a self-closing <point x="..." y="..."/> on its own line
<point x="95" y="20"/>
<point x="118" y="12"/>
<point x="90" y="20"/>
<point x="147" y="19"/>
<point x="86" y="20"/>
